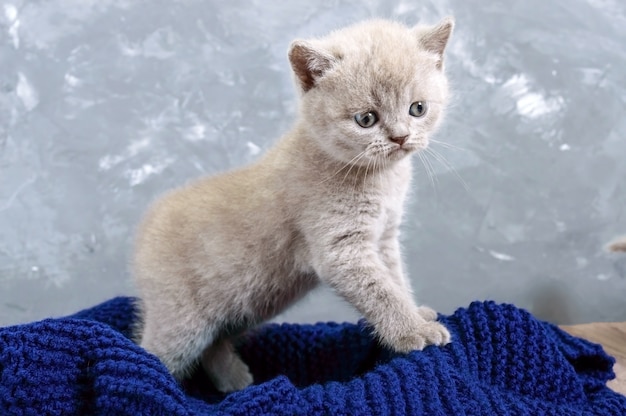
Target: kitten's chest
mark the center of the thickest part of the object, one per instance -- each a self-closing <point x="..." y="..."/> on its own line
<point x="388" y="196"/>
<point x="392" y="188"/>
<point x="391" y="208"/>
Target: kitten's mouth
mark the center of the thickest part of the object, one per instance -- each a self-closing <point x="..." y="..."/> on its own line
<point x="400" y="151"/>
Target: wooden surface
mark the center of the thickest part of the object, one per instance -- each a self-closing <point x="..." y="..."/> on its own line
<point x="612" y="336"/>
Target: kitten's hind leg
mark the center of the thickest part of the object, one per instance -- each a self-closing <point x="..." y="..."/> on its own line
<point x="224" y="367"/>
<point x="178" y="341"/>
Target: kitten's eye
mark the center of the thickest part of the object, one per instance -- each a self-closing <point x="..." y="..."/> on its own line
<point x="418" y="109"/>
<point x="366" y="120"/>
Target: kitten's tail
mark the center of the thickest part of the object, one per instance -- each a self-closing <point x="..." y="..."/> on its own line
<point x="618" y="244"/>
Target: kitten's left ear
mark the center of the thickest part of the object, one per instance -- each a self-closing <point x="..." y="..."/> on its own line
<point x="436" y="38"/>
<point x="308" y="63"/>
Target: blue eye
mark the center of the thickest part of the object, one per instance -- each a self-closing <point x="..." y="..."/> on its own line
<point x="366" y="120"/>
<point x="418" y="109"/>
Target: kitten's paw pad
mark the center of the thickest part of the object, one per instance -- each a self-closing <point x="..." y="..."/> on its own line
<point x="429" y="314"/>
<point x="237" y="378"/>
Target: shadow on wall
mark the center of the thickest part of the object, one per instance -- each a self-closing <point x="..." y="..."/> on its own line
<point x="552" y="301"/>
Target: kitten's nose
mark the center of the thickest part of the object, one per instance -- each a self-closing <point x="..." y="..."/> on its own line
<point x="400" y="140"/>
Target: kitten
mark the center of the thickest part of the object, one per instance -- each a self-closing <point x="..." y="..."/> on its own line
<point x="228" y="252"/>
<point x="618" y="244"/>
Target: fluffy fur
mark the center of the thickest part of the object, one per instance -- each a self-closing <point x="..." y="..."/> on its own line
<point x="228" y="252"/>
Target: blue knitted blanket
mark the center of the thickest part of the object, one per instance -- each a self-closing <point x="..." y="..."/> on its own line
<point x="502" y="361"/>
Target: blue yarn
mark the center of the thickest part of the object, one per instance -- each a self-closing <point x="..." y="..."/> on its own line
<point x="502" y="361"/>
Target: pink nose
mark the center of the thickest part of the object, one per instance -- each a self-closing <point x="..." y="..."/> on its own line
<point x="399" y="140"/>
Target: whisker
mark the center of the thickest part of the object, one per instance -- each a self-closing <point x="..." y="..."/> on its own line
<point x="379" y="169"/>
<point x="350" y="163"/>
<point x="441" y="159"/>
<point x="428" y="172"/>
<point x="385" y="163"/>
<point x="354" y="162"/>
<point x="432" y="168"/>
<point x="367" y="167"/>
<point x="448" y="145"/>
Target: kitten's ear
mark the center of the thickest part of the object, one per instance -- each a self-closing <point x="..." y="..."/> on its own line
<point x="435" y="39"/>
<point x="309" y="64"/>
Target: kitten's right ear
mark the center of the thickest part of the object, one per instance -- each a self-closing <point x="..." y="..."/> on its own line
<point x="309" y="64"/>
<point x="436" y="38"/>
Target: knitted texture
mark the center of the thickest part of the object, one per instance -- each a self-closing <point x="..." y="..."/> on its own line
<point x="501" y="361"/>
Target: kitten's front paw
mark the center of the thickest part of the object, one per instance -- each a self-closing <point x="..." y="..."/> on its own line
<point x="423" y="334"/>
<point x="427" y="313"/>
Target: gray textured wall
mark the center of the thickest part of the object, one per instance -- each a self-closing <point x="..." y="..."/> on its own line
<point x="106" y="103"/>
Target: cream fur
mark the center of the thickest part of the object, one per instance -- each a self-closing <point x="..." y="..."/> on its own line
<point x="230" y="251"/>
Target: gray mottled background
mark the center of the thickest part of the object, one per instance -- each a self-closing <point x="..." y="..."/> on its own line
<point x="104" y="104"/>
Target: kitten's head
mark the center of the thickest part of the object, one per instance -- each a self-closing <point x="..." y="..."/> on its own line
<point x="373" y="92"/>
